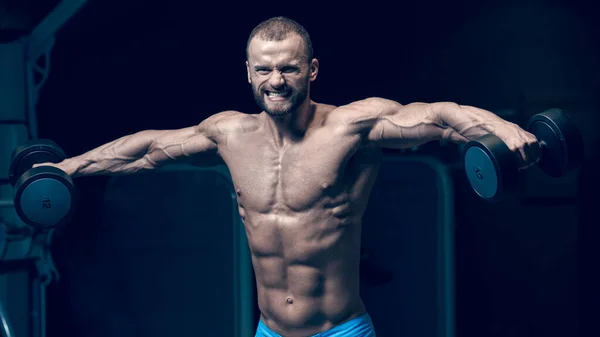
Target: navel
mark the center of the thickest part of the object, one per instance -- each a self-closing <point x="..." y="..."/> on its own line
<point x="289" y="300"/>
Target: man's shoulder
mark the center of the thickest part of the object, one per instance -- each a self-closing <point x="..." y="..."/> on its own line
<point x="231" y="116"/>
<point x="360" y="110"/>
<point x="229" y="121"/>
<point x="371" y="103"/>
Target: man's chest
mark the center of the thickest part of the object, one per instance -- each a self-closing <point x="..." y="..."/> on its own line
<point x="295" y="175"/>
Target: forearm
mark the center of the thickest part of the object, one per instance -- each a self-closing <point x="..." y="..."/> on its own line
<point x="127" y="154"/>
<point x="462" y="123"/>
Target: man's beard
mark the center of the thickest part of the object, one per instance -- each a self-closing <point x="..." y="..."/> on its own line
<point x="293" y="100"/>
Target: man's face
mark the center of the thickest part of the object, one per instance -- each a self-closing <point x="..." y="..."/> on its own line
<point x="280" y="74"/>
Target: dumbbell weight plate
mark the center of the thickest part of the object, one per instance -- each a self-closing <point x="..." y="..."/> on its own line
<point x="563" y="144"/>
<point x="44" y="197"/>
<point x="33" y="152"/>
<point x="491" y="168"/>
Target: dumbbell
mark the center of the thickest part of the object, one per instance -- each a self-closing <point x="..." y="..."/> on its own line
<point x="493" y="170"/>
<point x="44" y="196"/>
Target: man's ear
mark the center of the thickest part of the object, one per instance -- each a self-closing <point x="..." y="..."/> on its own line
<point x="314" y="69"/>
<point x="248" y="71"/>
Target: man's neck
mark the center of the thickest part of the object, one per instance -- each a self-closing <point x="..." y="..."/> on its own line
<point x="293" y="126"/>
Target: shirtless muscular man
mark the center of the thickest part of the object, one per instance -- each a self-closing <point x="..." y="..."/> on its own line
<point x="303" y="172"/>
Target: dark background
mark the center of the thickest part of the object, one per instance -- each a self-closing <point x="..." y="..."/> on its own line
<point x="524" y="267"/>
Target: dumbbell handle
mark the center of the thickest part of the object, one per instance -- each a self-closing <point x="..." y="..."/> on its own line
<point x="543" y="144"/>
<point x="560" y="141"/>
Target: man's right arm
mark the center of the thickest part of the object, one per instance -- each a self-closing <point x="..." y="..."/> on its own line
<point x="147" y="150"/>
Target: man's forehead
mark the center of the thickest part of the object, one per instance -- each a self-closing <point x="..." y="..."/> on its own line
<point x="291" y="48"/>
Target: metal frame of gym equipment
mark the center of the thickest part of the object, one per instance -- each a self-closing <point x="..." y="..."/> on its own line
<point x="20" y="244"/>
<point x="243" y="289"/>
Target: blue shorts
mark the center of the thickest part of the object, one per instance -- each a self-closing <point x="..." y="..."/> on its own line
<point x="361" y="326"/>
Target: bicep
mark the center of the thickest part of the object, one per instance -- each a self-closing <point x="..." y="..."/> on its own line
<point x="186" y="144"/>
<point x="386" y="123"/>
<point x="198" y="145"/>
<point x="405" y="126"/>
<point x="362" y="117"/>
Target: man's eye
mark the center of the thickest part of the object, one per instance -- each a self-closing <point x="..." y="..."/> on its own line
<point x="289" y="70"/>
<point x="262" y="71"/>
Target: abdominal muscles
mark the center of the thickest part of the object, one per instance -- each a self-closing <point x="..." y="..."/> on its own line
<point x="306" y="264"/>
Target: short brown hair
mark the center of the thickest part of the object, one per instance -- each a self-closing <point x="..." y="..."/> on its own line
<point x="277" y="29"/>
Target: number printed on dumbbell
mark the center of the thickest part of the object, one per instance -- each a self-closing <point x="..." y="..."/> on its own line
<point x="478" y="173"/>
<point x="44" y="196"/>
<point x="46" y="203"/>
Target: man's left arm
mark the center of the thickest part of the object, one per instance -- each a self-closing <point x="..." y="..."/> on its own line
<point x="389" y="124"/>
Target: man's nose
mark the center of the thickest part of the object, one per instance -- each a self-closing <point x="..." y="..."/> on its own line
<point x="276" y="80"/>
